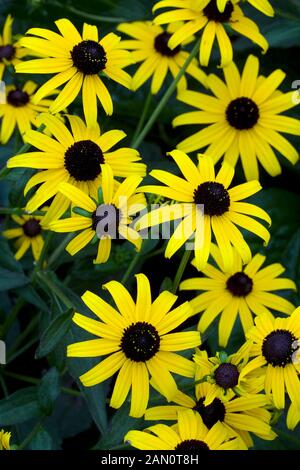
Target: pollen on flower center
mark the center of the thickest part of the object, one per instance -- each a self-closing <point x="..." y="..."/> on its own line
<point x="278" y="347"/>
<point x="161" y="45"/>
<point x="191" y="445"/>
<point x="242" y="113"/>
<point x="89" y="57"/>
<point x="227" y="375"/>
<point x="213" y="196"/>
<point x="211" y="413"/>
<point x="212" y="12"/>
<point x="7" y="52"/>
<point x="32" y="228"/>
<point x="140" y="341"/>
<point x="18" y="98"/>
<point x="83" y="159"/>
<point x="108" y="216"/>
<point x="239" y="284"/>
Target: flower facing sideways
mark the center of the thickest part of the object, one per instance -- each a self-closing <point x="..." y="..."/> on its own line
<point x="118" y="203"/>
<point x="137" y="341"/>
<point x="11" y="52"/>
<point x="77" y="60"/>
<point x="241" y="291"/>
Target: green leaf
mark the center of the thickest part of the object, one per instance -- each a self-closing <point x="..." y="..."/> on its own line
<point x="31" y="296"/>
<point x="48" y="391"/>
<point x="19" y="407"/>
<point x="54" y="333"/>
<point x="42" y="441"/>
<point x="10" y="279"/>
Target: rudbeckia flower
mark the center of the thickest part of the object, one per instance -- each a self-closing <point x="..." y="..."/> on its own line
<point x="137" y="341"/>
<point x="241" y="291"/>
<point x="118" y="202"/>
<point x="204" y="14"/>
<point x="262" y="5"/>
<point x="11" y="52"/>
<point x="223" y="210"/>
<point x="150" y="46"/>
<point x="188" y="435"/>
<point x="276" y="345"/>
<point x="27" y="235"/>
<point x="243" y="119"/>
<point x="240" y="416"/>
<point x="81" y="61"/>
<point x="73" y="157"/>
<point x="19" y="110"/>
<point x="5" y="440"/>
<point x="228" y="375"/>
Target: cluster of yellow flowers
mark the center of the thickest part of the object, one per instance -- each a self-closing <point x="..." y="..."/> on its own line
<point x="85" y="178"/>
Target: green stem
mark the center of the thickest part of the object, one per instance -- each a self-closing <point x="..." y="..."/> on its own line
<point x="30" y="327"/>
<point x="20" y="351"/>
<point x="34" y="381"/>
<point x="165" y="98"/>
<point x="31" y="435"/>
<point x="56" y="253"/>
<point x="131" y="267"/>
<point x="142" y="118"/>
<point x="44" y="278"/>
<point x="43" y="255"/>
<point x="181" y="268"/>
<point x="90" y="16"/>
<point x="11" y="317"/>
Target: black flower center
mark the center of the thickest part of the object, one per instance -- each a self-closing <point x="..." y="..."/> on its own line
<point x="140" y="342"/>
<point x="7" y="52"/>
<point x="18" y="98"/>
<point x="239" y="284"/>
<point x="227" y="375"/>
<point x="212" y="12"/>
<point x="32" y="228"/>
<point x="279" y="346"/>
<point x="83" y="159"/>
<point x="242" y="113"/>
<point x="211" y="413"/>
<point x="108" y="216"/>
<point x="192" y="445"/>
<point x="89" y="57"/>
<point x="213" y="196"/>
<point x="161" y="45"/>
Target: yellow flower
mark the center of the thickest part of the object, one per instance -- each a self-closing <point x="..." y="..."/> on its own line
<point x="28" y="235"/>
<point x="242" y="120"/>
<point x="137" y="341"/>
<point x="73" y="157"/>
<point x="188" y="435"/>
<point x="240" y="416"/>
<point x="239" y="291"/>
<point x="262" y="5"/>
<point x="276" y="345"/>
<point x="10" y="51"/>
<point x="228" y="375"/>
<point x="150" y="46"/>
<point x="77" y="60"/>
<point x="222" y="209"/>
<point x="19" y="110"/>
<point x="119" y="202"/>
<point x="204" y="14"/>
<point x="4" y="440"/>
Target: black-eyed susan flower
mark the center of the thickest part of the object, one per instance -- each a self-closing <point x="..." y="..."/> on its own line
<point x="228" y="375"/>
<point x="81" y="61"/>
<point x="240" y="291"/>
<point x="150" y="46"/>
<point x="19" y="110"/>
<point x="28" y="234"/>
<point x="189" y="435"/>
<point x="239" y="415"/>
<point x="204" y="14"/>
<point x="73" y="157"/>
<point x="137" y="342"/>
<point x="5" y="440"/>
<point x="113" y="212"/>
<point x="222" y="209"/>
<point x="276" y="345"/>
<point x="262" y="5"/>
<point x="243" y="119"/>
<point x="11" y="52"/>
